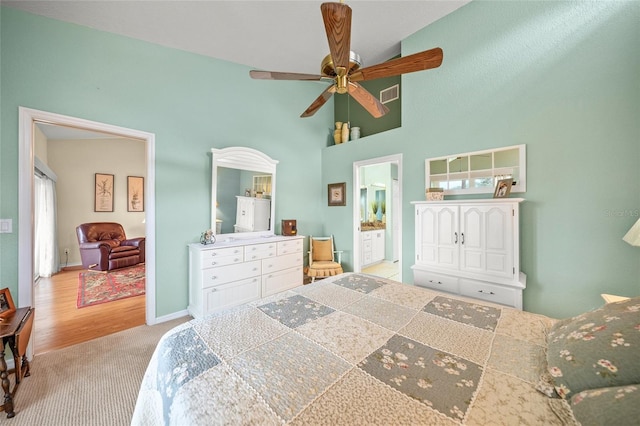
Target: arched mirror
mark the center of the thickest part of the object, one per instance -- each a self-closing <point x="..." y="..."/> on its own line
<point x="243" y="189"/>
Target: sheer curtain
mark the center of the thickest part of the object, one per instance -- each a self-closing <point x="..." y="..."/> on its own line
<point x="45" y="253"/>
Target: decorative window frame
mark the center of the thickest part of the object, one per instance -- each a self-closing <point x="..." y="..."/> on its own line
<point x="469" y="178"/>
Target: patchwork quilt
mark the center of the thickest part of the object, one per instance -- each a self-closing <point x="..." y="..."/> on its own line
<point x="351" y="349"/>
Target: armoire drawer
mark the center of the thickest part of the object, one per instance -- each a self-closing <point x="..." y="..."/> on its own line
<point x="225" y="274"/>
<point x="435" y="281"/>
<point x="489" y="292"/>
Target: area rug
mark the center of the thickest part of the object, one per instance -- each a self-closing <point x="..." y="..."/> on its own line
<point x="95" y="287"/>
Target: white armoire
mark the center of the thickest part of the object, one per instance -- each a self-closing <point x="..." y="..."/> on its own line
<point x="470" y="248"/>
<point x="252" y="214"/>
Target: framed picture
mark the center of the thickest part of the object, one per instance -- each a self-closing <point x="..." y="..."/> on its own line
<point x="337" y="194"/>
<point x="135" y="194"/>
<point x="503" y="188"/>
<point x="104" y="193"/>
<point x="6" y="303"/>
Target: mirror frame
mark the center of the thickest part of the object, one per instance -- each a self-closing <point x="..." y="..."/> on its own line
<point x="242" y="158"/>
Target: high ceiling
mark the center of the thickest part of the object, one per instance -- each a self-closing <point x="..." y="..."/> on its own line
<point x="270" y="35"/>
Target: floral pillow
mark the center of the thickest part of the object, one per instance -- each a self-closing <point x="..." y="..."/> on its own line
<point x="607" y="406"/>
<point x="597" y="349"/>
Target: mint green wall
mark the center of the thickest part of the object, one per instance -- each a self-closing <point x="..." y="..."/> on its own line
<point x="560" y="77"/>
<point x="347" y="109"/>
<point x="192" y="103"/>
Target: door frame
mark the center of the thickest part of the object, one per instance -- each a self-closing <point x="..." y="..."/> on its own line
<point x="357" y="165"/>
<point x="27" y="120"/>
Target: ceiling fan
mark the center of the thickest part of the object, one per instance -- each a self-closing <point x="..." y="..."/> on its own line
<point x="342" y="66"/>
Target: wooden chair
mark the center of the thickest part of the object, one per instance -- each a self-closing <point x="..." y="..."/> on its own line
<point x="324" y="260"/>
<point x="18" y="346"/>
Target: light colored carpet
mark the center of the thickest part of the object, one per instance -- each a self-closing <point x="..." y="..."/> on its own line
<point x="94" y="383"/>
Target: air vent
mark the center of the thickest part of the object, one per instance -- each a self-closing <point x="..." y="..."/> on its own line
<point x="390" y="94"/>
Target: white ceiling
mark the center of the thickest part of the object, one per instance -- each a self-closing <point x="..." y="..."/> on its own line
<point x="270" y="35"/>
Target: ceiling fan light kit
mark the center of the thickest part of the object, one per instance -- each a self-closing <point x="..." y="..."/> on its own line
<point x="342" y="65"/>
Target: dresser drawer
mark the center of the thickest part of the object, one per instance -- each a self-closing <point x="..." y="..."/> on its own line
<point x="281" y="262"/>
<point x="435" y="281"/>
<point x="216" y="261"/>
<point x="290" y="246"/>
<point x="208" y="255"/>
<point x="489" y="292"/>
<point x="281" y="280"/>
<point x="259" y="251"/>
<point x="231" y="294"/>
<point x="225" y="274"/>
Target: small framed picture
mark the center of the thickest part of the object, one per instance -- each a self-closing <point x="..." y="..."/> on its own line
<point x="337" y="194"/>
<point x="503" y="188"/>
<point x="135" y="194"/>
<point x="103" y="193"/>
<point x="6" y="303"/>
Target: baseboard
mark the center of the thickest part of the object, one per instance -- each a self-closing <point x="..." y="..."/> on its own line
<point x="171" y="317"/>
<point x="72" y="268"/>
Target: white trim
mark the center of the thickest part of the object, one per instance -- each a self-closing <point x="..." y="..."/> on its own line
<point x="520" y="184"/>
<point x="27" y="118"/>
<point x="171" y="317"/>
<point x="243" y="158"/>
<point x="394" y="159"/>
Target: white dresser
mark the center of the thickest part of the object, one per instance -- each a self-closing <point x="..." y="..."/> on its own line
<point x="471" y="248"/>
<point x="229" y="273"/>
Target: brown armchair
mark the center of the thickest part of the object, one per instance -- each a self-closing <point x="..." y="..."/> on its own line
<point x="104" y="246"/>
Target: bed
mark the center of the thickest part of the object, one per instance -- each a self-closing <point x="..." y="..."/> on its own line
<point x="358" y="349"/>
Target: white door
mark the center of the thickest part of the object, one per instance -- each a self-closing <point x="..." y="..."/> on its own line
<point x="437" y="228"/>
<point x="395" y="224"/>
<point x="486" y="240"/>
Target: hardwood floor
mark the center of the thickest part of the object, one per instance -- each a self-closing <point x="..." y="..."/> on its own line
<point x="59" y="323"/>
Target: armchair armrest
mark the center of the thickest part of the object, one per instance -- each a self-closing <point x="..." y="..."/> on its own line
<point x="338" y="254"/>
<point x="94" y="245"/>
<point x="136" y="242"/>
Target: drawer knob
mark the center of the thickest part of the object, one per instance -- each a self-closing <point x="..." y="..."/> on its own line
<point x="214" y="263"/>
<point x="437" y="282"/>
<point x="214" y="278"/>
<point x="485" y="292"/>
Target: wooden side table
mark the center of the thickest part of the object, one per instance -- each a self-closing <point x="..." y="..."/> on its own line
<point x="15" y="330"/>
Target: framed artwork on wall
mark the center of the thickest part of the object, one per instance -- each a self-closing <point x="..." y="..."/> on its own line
<point x="337" y="194"/>
<point x="503" y="188"/>
<point x="135" y="194"/>
<point x="103" y="193"/>
<point x="6" y="303"/>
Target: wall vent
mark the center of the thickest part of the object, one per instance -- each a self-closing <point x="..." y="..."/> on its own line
<point x="390" y="94"/>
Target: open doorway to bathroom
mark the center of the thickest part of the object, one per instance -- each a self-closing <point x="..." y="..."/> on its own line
<point x="378" y="217"/>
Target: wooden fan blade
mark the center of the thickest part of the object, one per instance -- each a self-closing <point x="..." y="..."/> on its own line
<point x="337" y="24"/>
<point x="367" y="100"/>
<point x="320" y="100"/>
<point x="271" y="75"/>
<point x="417" y="62"/>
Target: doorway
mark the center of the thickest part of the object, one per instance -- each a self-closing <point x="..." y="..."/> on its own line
<point x="28" y="119"/>
<point x="377" y="239"/>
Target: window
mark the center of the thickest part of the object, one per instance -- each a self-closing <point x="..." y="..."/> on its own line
<point x="477" y="172"/>
<point x="262" y="184"/>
